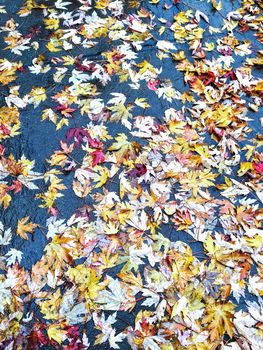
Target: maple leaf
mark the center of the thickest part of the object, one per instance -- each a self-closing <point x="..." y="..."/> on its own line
<point x="136" y="25"/>
<point x="97" y="157"/>
<point x="12" y="256"/>
<point x="108" y="333"/>
<point x="77" y="134"/>
<point x="121" y="141"/>
<point x="55" y="332"/>
<point x="217" y="6"/>
<point x="165" y="45"/>
<point x="49" y="197"/>
<point x="24" y="226"/>
<point x="5" y="235"/>
<point x="51" y="23"/>
<point x="207" y="78"/>
<point x="5" y="198"/>
<point x="54" y="45"/>
<point x="81" y="189"/>
<point x="244" y="168"/>
<point x="16" y="186"/>
<point x="258" y="167"/>
<point x="114" y="298"/>
<point x="219" y="318"/>
<point x="37" y="95"/>
<point x="139" y="170"/>
<point x="130" y="278"/>
<point x="145" y="66"/>
<point x="124" y="150"/>
<point x="36" y="338"/>
<point x="196" y="179"/>
<point x="210" y="245"/>
<point x="121" y="113"/>
<point x="141" y="102"/>
<point x="65" y="110"/>
<point x="114" y="339"/>
<point x="152" y="84"/>
<point x="102" y="177"/>
<point x="7" y="76"/>
<point x="49" y="114"/>
<point x="59" y="4"/>
<point x="87" y="280"/>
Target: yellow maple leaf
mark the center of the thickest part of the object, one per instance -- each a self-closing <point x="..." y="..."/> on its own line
<point x="53" y="45"/>
<point x="54" y="332"/>
<point x="178" y="56"/>
<point x="219" y="318"/>
<point x="5" y="198"/>
<point x="210" y="245"/>
<point x="62" y="122"/>
<point x="101" y="179"/>
<point x="120" y="112"/>
<point x="48" y="113"/>
<point x="124" y="150"/>
<point x="259" y="86"/>
<point x="6" y="76"/>
<point x="244" y="168"/>
<point x="52" y="23"/>
<point x="24" y="226"/>
<point x="57" y="159"/>
<point x="195" y="180"/>
<point x="218" y="6"/>
<point x="87" y="280"/>
<point x="49" y="307"/>
<point x="255" y="241"/>
<point x="49" y="197"/>
<point x="145" y="66"/>
<point x="142" y="102"/>
<point x="102" y="4"/>
<point x="37" y="95"/>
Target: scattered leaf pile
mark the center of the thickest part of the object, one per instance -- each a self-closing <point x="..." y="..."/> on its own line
<point x="150" y="120"/>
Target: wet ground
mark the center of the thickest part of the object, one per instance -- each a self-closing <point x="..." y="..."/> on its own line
<point x="38" y="140"/>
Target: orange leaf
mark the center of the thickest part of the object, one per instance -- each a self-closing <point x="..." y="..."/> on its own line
<point x="24" y="226"/>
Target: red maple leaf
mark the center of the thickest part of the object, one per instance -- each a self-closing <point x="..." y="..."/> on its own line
<point x="258" y="167"/>
<point x="36" y="338"/>
<point x="16" y="186"/>
<point x="97" y="157"/>
<point x="152" y="84"/>
<point x="77" y="134"/>
<point x="207" y="78"/>
<point x="4" y="130"/>
<point x="65" y="110"/>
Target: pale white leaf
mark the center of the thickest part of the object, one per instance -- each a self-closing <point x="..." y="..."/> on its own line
<point x="13" y="255"/>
